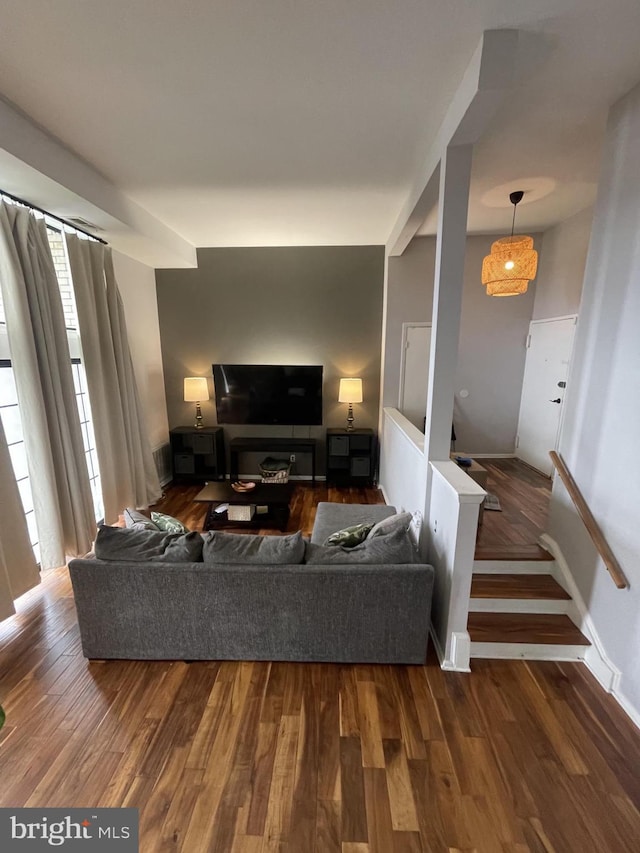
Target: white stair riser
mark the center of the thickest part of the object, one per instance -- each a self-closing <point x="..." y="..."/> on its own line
<point x="527" y="651"/>
<point x="513" y="567"/>
<point x="518" y="605"/>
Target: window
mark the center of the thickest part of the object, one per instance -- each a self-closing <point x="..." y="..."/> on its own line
<point x="10" y="411"/>
<point x="12" y="423"/>
<point x="60" y="261"/>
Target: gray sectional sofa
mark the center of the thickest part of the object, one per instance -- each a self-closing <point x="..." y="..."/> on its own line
<point x="339" y="612"/>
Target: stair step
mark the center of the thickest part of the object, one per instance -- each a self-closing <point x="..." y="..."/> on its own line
<point x="513" y="567"/>
<point x="527" y="651"/>
<point x="512" y="552"/>
<point x="533" y="586"/>
<point x="524" y="628"/>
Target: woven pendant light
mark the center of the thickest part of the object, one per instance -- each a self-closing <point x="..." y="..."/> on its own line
<point x="513" y="261"/>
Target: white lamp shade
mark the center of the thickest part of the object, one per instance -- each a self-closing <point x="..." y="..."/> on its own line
<point x="350" y="391"/>
<point x="195" y="389"/>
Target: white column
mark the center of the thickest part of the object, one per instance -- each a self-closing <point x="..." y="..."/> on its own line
<point x="455" y="173"/>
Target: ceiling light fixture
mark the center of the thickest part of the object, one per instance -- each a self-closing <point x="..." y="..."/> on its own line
<point x="513" y="261"/>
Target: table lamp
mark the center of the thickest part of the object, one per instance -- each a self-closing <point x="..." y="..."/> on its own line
<point x="350" y="392"/>
<point x="195" y="390"/>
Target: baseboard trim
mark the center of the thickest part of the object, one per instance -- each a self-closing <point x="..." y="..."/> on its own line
<point x="436" y="644"/>
<point x="460" y="652"/>
<point x="384" y="494"/>
<point x="297" y="477"/>
<point x="460" y="645"/>
<point x="485" y="455"/>
<point x="630" y="710"/>
<point x="598" y="663"/>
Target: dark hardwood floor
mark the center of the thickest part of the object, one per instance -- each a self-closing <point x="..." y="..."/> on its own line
<point x="524" y="496"/>
<point x="296" y="758"/>
<point x="179" y="502"/>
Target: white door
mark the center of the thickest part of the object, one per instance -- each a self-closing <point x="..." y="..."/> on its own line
<point x="414" y="372"/>
<point x="545" y="377"/>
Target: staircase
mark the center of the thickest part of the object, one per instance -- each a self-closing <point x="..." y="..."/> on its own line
<point x="517" y="608"/>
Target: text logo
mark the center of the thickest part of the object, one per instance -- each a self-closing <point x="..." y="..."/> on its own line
<point x="86" y="830"/>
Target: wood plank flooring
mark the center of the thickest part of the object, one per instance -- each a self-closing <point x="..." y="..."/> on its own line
<point x="547" y="628"/>
<point x="539" y="587"/>
<point x="179" y="502"/>
<point x="246" y="757"/>
<point x="524" y="497"/>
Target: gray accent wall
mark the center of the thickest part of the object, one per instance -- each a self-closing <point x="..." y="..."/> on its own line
<point x="293" y="305"/>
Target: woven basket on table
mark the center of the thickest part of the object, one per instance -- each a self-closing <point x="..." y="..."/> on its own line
<point x="275" y="471"/>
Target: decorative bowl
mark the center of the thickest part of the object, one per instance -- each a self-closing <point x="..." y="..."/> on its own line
<point x="243" y="487"/>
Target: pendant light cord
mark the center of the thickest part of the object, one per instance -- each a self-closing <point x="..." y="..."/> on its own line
<point x="515" y="198"/>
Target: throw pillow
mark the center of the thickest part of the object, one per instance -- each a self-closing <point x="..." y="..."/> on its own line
<point x="240" y="548"/>
<point x="399" y="521"/>
<point x="168" y="523"/>
<point x="389" y="549"/>
<point x="348" y="537"/>
<point x="130" y="545"/>
<point x="134" y="518"/>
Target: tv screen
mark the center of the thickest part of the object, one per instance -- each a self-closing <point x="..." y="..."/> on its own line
<point x="268" y="394"/>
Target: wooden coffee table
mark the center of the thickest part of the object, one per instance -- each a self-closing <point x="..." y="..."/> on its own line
<point x="275" y="498"/>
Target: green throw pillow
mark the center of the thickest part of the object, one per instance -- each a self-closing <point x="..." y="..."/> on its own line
<point x="134" y="518"/>
<point x="349" y="537"/>
<point x="167" y="523"/>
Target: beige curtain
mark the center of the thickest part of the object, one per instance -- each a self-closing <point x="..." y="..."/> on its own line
<point x="18" y="569"/>
<point x="42" y="368"/>
<point x="127" y="470"/>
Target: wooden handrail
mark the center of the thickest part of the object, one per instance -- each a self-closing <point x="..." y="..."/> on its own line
<point x="593" y="529"/>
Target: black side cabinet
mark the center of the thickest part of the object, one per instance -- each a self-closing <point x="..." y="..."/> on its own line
<point x="351" y="456"/>
<point x="197" y="454"/>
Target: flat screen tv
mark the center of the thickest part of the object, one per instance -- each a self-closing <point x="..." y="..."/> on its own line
<point x="268" y="394"/>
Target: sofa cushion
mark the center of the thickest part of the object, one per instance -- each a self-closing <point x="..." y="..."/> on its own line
<point x="128" y="544"/>
<point x="134" y="518"/>
<point x="349" y="536"/>
<point x="242" y="548"/>
<point x="168" y="523"/>
<point x="332" y="516"/>
<point x="399" y="521"/>
<point x="390" y="549"/>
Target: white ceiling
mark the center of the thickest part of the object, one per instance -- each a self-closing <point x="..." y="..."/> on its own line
<point x="299" y="122"/>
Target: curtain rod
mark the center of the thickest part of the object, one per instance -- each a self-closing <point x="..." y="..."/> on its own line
<point x="52" y="215"/>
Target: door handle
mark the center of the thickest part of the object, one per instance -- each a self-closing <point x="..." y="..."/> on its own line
<point x="557" y="400"/>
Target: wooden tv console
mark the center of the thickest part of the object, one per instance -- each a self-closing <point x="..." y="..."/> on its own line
<point x="270" y="445"/>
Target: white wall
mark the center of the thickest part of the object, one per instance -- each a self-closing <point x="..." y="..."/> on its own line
<point x="450" y="530"/>
<point x="561" y="268"/>
<point x="599" y="437"/>
<point x="137" y="285"/>
<point x="447" y="534"/>
<point x="403" y="469"/>
<point x="492" y="351"/>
